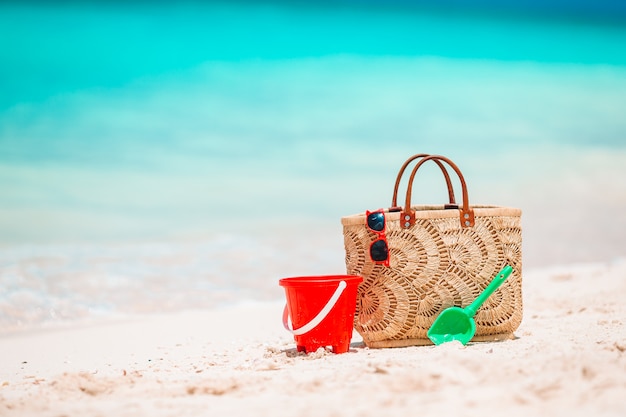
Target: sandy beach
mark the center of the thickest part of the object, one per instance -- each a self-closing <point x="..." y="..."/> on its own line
<point x="569" y="358"/>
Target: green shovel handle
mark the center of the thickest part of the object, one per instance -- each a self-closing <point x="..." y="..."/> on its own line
<point x="495" y="283"/>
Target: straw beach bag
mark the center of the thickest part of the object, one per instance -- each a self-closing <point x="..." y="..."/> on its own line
<point x="417" y="261"/>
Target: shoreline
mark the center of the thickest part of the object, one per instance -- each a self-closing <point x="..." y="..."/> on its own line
<point x="85" y="321"/>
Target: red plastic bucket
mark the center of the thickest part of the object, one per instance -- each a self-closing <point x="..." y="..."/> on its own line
<point x="321" y="309"/>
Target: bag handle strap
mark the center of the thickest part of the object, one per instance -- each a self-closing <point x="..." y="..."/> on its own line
<point x="451" y="199"/>
<point x="320" y="316"/>
<point x="407" y="218"/>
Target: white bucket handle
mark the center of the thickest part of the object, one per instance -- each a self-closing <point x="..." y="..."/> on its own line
<point x="320" y="316"/>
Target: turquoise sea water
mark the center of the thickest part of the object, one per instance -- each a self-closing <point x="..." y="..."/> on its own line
<point x="205" y="150"/>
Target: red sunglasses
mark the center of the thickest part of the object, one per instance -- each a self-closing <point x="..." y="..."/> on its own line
<point x="379" y="250"/>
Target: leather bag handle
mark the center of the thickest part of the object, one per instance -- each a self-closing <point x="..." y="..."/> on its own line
<point x="407" y="218"/>
<point x="451" y="199"/>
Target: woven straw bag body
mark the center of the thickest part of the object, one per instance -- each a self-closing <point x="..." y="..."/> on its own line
<point x="439" y="256"/>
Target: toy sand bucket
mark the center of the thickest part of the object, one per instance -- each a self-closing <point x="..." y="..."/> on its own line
<point x="321" y="309"/>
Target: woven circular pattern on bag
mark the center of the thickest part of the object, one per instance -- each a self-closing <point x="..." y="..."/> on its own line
<point x="382" y="307"/>
<point x="471" y="249"/>
<point x="418" y="253"/>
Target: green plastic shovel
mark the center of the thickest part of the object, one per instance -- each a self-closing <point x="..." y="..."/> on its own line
<point x="455" y="323"/>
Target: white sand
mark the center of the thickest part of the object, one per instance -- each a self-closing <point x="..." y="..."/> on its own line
<point x="569" y="359"/>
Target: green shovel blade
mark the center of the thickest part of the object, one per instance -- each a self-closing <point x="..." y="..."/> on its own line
<point x="457" y="324"/>
<point x="452" y="324"/>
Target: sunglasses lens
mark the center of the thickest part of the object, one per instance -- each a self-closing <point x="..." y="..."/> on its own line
<point x="376" y="221"/>
<point x="379" y="251"/>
